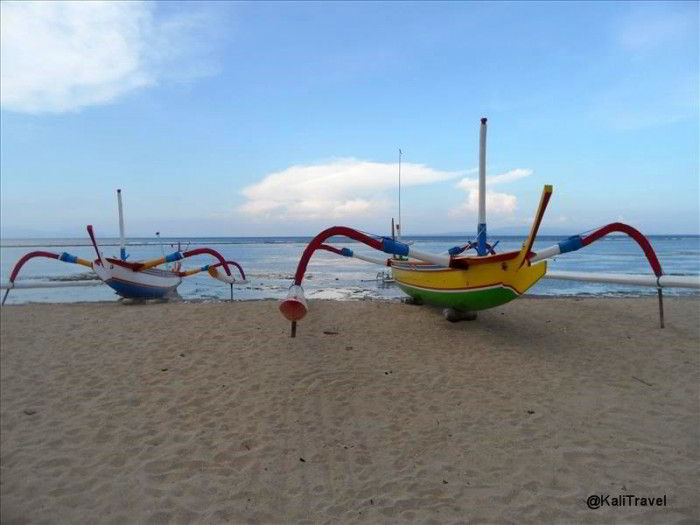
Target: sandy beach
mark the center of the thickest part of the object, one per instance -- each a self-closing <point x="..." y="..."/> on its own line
<point x="377" y="412"/>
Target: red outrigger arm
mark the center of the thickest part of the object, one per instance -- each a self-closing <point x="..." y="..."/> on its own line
<point x="641" y="240"/>
<point x="577" y="242"/>
<point x="176" y="256"/>
<point x="187" y="273"/>
<point x="199" y="251"/>
<point x="317" y="243"/>
<point x="27" y="257"/>
<point x="231" y="263"/>
<point x="65" y="257"/>
<point x="294" y="306"/>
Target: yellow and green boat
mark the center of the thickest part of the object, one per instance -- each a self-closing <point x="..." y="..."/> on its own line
<point x="465" y="284"/>
<point x="468" y="284"/>
<point x="453" y="281"/>
<point x="478" y="287"/>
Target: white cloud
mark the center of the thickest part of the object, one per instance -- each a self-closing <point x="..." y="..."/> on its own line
<point x="503" y="178"/>
<point x="336" y="189"/>
<point x="496" y="203"/>
<point x="63" y="56"/>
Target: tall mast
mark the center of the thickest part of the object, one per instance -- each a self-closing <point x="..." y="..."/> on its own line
<point x="398" y="226"/>
<point x="481" y="227"/>
<point x="122" y="241"/>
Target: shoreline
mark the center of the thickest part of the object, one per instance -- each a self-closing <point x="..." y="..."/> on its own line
<point x="377" y="411"/>
<point x="689" y="296"/>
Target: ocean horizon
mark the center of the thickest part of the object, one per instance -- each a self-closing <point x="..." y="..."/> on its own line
<point x="270" y="262"/>
<point x="64" y="241"/>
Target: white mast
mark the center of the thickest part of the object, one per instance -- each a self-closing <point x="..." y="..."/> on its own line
<point x="481" y="227"/>
<point x="122" y="241"/>
<point x="398" y="225"/>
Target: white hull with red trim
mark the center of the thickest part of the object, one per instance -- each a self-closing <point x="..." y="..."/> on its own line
<point x="152" y="283"/>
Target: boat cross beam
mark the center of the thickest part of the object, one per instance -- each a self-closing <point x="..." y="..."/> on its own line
<point x="664" y="281"/>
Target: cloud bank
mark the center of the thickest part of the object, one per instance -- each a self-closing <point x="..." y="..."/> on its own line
<point x="496" y="203"/>
<point x="64" y="56"/>
<point x="337" y="189"/>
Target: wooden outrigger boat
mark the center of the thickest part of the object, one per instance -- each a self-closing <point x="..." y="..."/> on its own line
<point x="467" y="284"/>
<point x="141" y="279"/>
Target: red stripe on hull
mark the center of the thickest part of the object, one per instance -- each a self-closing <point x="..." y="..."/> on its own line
<point x="470" y="288"/>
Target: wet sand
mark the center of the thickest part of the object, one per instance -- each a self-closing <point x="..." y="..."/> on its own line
<point x="377" y="412"/>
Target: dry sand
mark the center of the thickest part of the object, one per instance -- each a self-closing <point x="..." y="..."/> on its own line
<point x="377" y="412"/>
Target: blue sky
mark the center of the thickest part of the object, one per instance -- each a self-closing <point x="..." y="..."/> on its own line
<point x="285" y="118"/>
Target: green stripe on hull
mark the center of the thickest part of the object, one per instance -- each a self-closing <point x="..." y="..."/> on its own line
<point x="471" y="301"/>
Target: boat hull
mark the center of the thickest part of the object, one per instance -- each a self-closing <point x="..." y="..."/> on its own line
<point x="478" y="287"/>
<point x="146" y="284"/>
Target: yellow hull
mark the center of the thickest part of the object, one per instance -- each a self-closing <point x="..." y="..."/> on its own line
<point x="477" y="287"/>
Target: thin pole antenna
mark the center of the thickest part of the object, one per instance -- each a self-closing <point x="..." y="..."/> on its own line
<point x="398" y="226"/>
<point x="162" y="250"/>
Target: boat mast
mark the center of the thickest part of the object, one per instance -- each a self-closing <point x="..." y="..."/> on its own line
<point x="122" y="241"/>
<point x="398" y="225"/>
<point x="481" y="227"/>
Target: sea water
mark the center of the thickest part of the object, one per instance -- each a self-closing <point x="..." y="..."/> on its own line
<point x="270" y="264"/>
